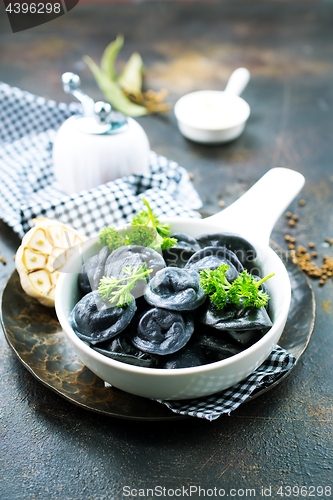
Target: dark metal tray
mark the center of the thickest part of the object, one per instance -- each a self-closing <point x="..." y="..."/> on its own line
<point x="34" y="334"/>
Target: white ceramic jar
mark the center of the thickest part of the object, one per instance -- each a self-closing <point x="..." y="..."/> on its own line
<point x="98" y="147"/>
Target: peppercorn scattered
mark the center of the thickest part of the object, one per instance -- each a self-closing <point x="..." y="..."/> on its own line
<point x="302" y="257"/>
<point x="328" y="264"/>
<point x="293" y="218"/>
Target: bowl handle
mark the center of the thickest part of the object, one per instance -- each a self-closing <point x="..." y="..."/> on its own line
<point x="238" y="81"/>
<point x="255" y="213"/>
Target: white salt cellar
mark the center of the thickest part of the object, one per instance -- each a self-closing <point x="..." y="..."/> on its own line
<point x="98" y="147"/>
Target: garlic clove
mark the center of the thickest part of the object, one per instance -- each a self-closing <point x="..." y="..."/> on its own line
<point x="70" y="239"/>
<point x="54" y="277"/>
<point x="40" y="242"/>
<point x="32" y="259"/>
<point x="55" y="235"/>
<point x="41" y="281"/>
<point x="35" y="257"/>
<point x="51" y="294"/>
<point x="62" y="261"/>
<point x="49" y="265"/>
<point x="61" y="236"/>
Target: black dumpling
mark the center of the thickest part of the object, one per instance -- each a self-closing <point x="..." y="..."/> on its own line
<point x="120" y="348"/>
<point x="178" y="254"/>
<point x="212" y="257"/>
<point x="130" y="255"/>
<point x="160" y="331"/>
<point x="244" y="324"/>
<point x="213" y="262"/>
<point x="205" y="346"/>
<point x="106" y="264"/>
<point x="216" y="344"/>
<point x="133" y="255"/>
<point x="187" y="357"/>
<point x="175" y="289"/>
<point x="243" y="249"/>
<point x="95" y="320"/>
<point x="83" y="281"/>
<point x="93" y="271"/>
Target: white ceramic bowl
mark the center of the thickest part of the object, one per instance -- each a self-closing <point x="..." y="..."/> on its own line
<point x="213" y="116"/>
<point x="200" y="381"/>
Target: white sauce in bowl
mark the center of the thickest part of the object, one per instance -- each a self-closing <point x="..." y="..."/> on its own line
<point x="211" y="110"/>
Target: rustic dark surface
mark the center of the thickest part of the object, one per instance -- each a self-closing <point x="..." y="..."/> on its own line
<point x="49" y="448"/>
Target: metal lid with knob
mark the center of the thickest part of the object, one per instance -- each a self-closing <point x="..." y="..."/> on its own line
<point x="99" y="118"/>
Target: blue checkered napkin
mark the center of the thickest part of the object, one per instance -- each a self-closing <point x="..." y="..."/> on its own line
<point x="211" y="407"/>
<point x="28" y="189"/>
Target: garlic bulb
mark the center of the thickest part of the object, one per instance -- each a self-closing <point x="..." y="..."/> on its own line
<point x="34" y="259"/>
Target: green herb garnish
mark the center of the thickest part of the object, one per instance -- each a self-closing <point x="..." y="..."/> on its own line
<point x="244" y="290"/>
<point x="150" y="220"/>
<point x="215" y="284"/>
<point x="141" y="235"/>
<point x="143" y="218"/>
<point x="110" y="237"/>
<point x="120" y="289"/>
<point x="146" y="230"/>
<point x="168" y="243"/>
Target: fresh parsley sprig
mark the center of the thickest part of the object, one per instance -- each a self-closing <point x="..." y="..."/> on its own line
<point x="110" y="237"/>
<point x="244" y="289"/>
<point x="144" y="217"/>
<point x="141" y="235"/>
<point x="146" y="230"/>
<point x="119" y="290"/>
<point x="149" y="220"/>
<point x="215" y="284"/>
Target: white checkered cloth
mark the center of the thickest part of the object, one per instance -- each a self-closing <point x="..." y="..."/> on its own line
<point x="210" y="408"/>
<point x="28" y="189"/>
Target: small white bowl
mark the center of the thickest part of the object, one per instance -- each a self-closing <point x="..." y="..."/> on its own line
<point x="213" y="116"/>
<point x="275" y="190"/>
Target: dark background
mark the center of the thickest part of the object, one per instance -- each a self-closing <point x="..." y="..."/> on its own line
<point x="52" y="449"/>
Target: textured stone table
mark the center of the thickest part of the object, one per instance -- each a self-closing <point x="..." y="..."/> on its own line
<point x="51" y="449"/>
